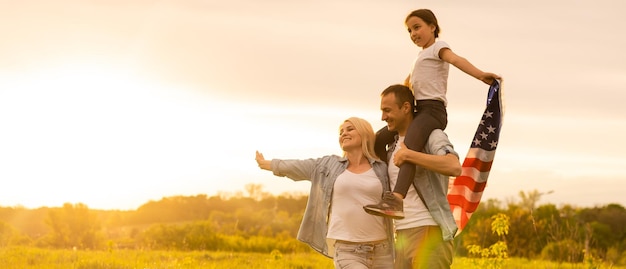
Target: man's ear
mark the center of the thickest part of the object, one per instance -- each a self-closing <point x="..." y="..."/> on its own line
<point x="406" y="107"/>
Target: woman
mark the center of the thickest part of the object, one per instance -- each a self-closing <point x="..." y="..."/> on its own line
<point x="334" y="222"/>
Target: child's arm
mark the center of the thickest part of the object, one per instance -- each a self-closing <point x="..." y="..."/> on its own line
<point x="464" y="65"/>
<point x="443" y="164"/>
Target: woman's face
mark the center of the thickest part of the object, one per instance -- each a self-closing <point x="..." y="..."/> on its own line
<point x="349" y="138"/>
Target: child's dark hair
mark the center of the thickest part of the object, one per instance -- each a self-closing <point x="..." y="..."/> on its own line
<point x="427" y="16"/>
<point x="402" y="93"/>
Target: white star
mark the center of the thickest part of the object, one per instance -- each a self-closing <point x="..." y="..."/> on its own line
<point x="483" y="135"/>
<point x="482" y="122"/>
<point x="476" y="142"/>
<point x="493" y="144"/>
<point x="491" y="129"/>
<point x="488" y="114"/>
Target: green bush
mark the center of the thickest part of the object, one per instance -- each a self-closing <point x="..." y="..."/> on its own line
<point x="563" y="251"/>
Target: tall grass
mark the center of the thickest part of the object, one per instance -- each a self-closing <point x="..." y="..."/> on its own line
<point x="23" y="258"/>
<point x="520" y="263"/>
<point x="27" y="257"/>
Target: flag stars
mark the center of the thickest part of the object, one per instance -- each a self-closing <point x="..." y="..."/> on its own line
<point x="488" y="114"/>
<point x="476" y="142"/>
<point x="491" y="129"/>
<point x="483" y="135"/>
<point x="493" y="144"/>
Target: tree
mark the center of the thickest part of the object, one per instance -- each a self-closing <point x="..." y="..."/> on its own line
<point x="73" y="226"/>
<point x="255" y="191"/>
<point x="7" y="233"/>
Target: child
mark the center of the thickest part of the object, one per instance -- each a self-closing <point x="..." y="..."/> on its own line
<point x="428" y="80"/>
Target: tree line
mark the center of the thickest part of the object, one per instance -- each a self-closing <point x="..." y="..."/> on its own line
<point x="261" y="222"/>
<point x="565" y="234"/>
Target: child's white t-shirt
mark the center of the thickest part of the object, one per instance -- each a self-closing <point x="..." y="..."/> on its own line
<point x="429" y="76"/>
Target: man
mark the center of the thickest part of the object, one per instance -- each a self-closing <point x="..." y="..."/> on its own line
<point x="424" y="237"/>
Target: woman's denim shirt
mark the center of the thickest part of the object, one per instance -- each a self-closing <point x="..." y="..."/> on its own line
<point x="322" y="173"/>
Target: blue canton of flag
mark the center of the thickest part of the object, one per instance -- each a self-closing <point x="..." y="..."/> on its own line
<point x="488" y="130"/>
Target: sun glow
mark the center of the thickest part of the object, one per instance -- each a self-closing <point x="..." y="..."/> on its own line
<point x="82" y="133"/>
<point x="111" y="138"/>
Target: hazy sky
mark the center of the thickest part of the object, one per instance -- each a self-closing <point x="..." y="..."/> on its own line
<point x="115" y="103"/>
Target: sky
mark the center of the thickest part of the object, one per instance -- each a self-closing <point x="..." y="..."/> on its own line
<point x="116" y="103"/>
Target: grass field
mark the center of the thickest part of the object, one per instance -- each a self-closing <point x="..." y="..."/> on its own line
<point x="22" y="258"/>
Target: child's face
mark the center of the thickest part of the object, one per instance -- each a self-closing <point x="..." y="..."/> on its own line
<point x="422" y="34"/>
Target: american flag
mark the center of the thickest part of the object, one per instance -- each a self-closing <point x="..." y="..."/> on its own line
<point x="467" y="189"/>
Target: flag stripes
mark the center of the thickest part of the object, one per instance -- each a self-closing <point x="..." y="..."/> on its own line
<point x="467" y="189"/>
<point x="477" y="164"/>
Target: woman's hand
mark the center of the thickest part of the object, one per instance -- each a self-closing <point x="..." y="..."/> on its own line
<point x="263" y="163"/>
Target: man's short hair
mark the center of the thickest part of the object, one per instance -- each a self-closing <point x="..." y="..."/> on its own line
<point x="402" y="94"/>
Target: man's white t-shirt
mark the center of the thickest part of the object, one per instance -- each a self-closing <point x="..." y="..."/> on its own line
<point x="415" y="212"/>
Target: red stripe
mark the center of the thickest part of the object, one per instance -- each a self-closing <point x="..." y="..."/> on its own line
<point x="470" y="183"/>
<point x="478" y="164"/>
<point x="464" y="219"/>
<point x="462" y="206"/>
<point x="466" y="205"/>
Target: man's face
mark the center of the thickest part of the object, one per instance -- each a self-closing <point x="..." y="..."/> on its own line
<point x="392" y="114"/>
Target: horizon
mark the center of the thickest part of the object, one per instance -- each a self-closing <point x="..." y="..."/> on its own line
<point x="243" y="194"/>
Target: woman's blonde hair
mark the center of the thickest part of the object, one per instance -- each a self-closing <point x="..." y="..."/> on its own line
<point x="364" y="128"/>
